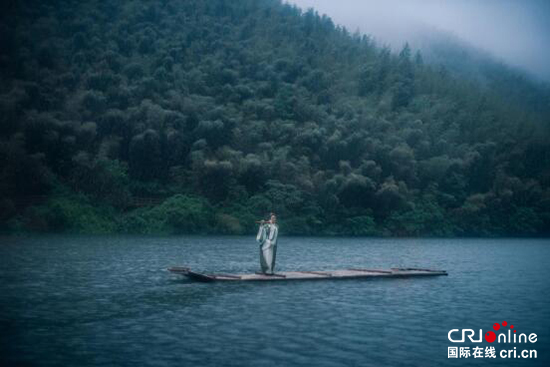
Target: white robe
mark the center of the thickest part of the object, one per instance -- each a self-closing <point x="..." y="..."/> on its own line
<point x="267" y="237"/>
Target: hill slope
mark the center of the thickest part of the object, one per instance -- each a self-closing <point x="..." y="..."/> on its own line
<point x="223" y="111"/>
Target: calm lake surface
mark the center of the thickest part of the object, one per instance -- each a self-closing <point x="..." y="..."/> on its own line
<point x="109" y="301"/>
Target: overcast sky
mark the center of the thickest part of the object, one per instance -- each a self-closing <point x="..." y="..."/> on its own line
<point x="517" y="31"/>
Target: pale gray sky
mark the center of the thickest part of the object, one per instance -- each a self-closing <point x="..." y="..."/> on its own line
<point x="517" y="31"/>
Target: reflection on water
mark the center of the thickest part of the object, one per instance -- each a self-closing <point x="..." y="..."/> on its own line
<point x="103" y="301"/>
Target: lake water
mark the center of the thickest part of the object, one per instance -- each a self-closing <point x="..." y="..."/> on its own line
<point x="109" y="301"/>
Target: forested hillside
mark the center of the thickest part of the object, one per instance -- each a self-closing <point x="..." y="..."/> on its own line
<point x="202" y="116"/>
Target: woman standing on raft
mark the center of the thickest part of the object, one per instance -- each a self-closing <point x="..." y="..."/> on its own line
<point x="267" y="237"/>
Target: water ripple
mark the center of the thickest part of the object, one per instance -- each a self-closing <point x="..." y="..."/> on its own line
<point x="104" y="301"/>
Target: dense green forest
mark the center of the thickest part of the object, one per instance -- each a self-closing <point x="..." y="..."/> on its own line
<point x="203" y="116"/>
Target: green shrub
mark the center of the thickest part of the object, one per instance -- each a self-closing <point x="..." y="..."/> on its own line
<point x="177" y="214"/>
<point x="69" y="214"/>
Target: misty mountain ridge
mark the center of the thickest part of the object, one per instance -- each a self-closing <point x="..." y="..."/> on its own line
<point x="466" y="61"/>
<point x="515" y="31"/>
<point x="442" y="47"/>
<point x="439" y="47"/>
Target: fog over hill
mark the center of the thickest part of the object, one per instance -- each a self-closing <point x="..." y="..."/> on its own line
<point x="517" y="32"/>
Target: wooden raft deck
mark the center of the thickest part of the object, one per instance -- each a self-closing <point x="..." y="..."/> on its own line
<point x="309" y="275"/>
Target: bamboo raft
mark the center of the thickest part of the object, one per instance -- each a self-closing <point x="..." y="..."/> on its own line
<point x="308" y="275"/>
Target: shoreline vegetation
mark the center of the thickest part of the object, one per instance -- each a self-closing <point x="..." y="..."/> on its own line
<point x="188" y="117"/>
<point x="183" y="214"/>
